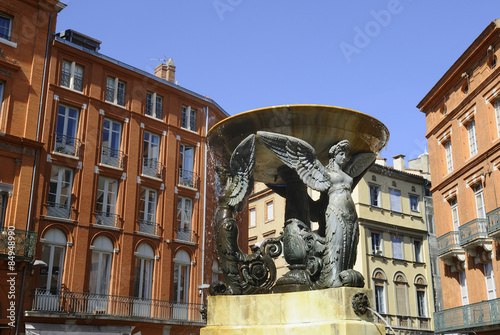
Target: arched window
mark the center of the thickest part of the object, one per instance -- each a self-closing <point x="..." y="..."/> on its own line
<point x="401" y="285"/>
<point x="182" y="264"/>
<point x="380" y="284"/>
<point x="100" y="272"/>
<point x="144" y="271"/>
<point x="421" y="287"/>
<point x="53" y="251"/>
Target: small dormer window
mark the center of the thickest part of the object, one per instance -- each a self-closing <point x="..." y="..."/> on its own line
<point x="493" y="62"/>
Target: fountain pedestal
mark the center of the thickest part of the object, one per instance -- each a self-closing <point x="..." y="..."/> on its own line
<point x="325" y="312"/>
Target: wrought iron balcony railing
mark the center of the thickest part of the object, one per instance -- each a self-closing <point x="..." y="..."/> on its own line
<point x="56" y="210"/>
<point x="151" y="167"/>
<point x="17" y="242"/>
<point x="493" y="218"/>
<point x="449" y="242"/>
<point x="67" y="145"/>
<point x="66" y="81"/>
<point x="188" y="178"/>
<point x="185" y="234"/>
<point x="106" y="219"/>
<point x="80" y="304"/>
<point x="112" y="157"/>
<point x="468" y="317"/>
<point x="148" y="227"/>
<point x="473" y="231"/>
<point x="405" y="322"/>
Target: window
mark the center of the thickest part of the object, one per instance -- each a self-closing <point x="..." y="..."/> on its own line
<point x="150" y="155"/>
<point x="417" y="250"/>
<point x="374" y="195"/>
<point x="53" y="250"/>
<point x="491" y="290"/>
<point x="107" y="190"/>
<point x="66" y="128"/>
<point x="182" y="264"/>
<point x="376" y="243"/>
<point x="5" y="27"/>
<point x="401" y="295"/>
<point x="2" y="87"/>
<point x="414" y="203"/>
<point x="184" y="218"/>
<point x="72" y="76"/>
<point x="269" y="210"/>
<point x="147" y="210"/>
<point x="379" y="283"/>
<point x="449" y="156"/>
<point x="463" y="288"/>
<point x="471" y="131"/>
<point x="397" y="247"/>
<point x="59" y="200"/>
<point x="111" y="143"/>
<point x="395" y="196"/>
<point x="143" y="277"/>
<point x="100" y="273"/>
<point x="252" y="217"/>
<point x="187" y="177"/>
<point x="421" y="287"/>
<point x="188" y="120"/>
<point x="497" y="116"/>
<point x="154" y="105"/>
<point x="478" y="193"/>
<point x="493" y="62"/>
<point x="115" y="91"/>
<point x="454" y="214"/>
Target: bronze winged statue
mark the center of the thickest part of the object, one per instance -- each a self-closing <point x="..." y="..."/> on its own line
<point x="335" y="181"/>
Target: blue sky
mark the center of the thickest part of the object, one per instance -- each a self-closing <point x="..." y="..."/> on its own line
<point x="379" y="57"/>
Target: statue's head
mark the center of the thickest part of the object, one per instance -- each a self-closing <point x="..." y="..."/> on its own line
<point x="343" y="145"/>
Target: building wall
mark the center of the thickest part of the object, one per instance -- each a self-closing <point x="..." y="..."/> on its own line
<point x="466" y="95"/>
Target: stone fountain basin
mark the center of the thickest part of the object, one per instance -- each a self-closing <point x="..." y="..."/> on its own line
<point x="321" y="126"/>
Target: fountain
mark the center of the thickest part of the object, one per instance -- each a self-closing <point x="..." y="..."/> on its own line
<point x="292" y="149"/>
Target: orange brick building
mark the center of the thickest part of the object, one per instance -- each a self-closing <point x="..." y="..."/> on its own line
<point x="123" y="197"/>
<point x="462" y="113"/>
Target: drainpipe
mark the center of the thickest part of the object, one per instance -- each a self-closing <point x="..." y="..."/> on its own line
<point x="32" y="190"/>
<point x="204" y="209"/>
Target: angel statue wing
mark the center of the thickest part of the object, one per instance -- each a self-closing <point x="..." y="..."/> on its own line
<point x="358" y="164"/>
<point x="298" y="155"/>
<point x="241" y="168"/>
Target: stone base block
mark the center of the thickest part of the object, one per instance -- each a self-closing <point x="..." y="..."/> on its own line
<point x="324" y="312"/>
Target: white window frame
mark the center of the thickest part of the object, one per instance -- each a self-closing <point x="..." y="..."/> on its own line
<point x="374" y="195"/>
<point x="154" y="105"/>
<point x="74" y="73"/>
<point x="188" y="118"/>
<point x="67" y="121"/>
<point x="111" y="143"/>
<point x="422" y="302"/>
<point x="414" y="202"/>
<point x="417" y="250"/>
<point x="377" y="243"/>
<point x="143" y="286"/>
<point x="462" y="280"/>
<point x="186" y="165"/>
<point x="102" y="262"/>
<point x="454" y="214"/>
<point x="151" y="147"/>
<point x="489" y="278"/>
<point x="471" y="133"/>
<point x="107" y="192"/>
<point x="252" y="217"/>
<point x="182" y="267"/>
<point x="497" y="116"/>
<point x="269" y="210"/>
<point x="63" y="181"/>
<point x="149" y="200"/>
<point x="449" y="156"/>
<point x="115" y="91"/>
<point x="184" y="213"/>
<point x="55" y="241"/>
<point x="479" y="196"/>
<point x="395" y="197"/>
<point x="8" y="36"/>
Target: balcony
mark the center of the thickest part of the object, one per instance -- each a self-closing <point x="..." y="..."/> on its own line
<point x="185" y="235"/>
<point x="148" y="227"/>
<point x="449" y="247"/>
<point x="493" y="218"/>
<point x="112" y="157"/>
<point x="106" y="219"/>
<point x="67" y="145"/>
<point x="399" y="322"/>
<point x="152" y="168"/>
<point x="188" y="178"/>
<point x="56" y="210"/>
<point x="475" y="234"/>
<point x="84" y="305"/>
<point x="18" y="242"/>
<point x="469" y="317"/>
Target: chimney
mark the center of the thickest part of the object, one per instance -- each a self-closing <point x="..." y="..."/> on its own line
<point x="399" y="162"/>
<point x="166" y="71"/>
<point x="381" y="161"/>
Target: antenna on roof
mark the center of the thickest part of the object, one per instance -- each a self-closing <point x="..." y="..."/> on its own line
<point x="164" y="59"/>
